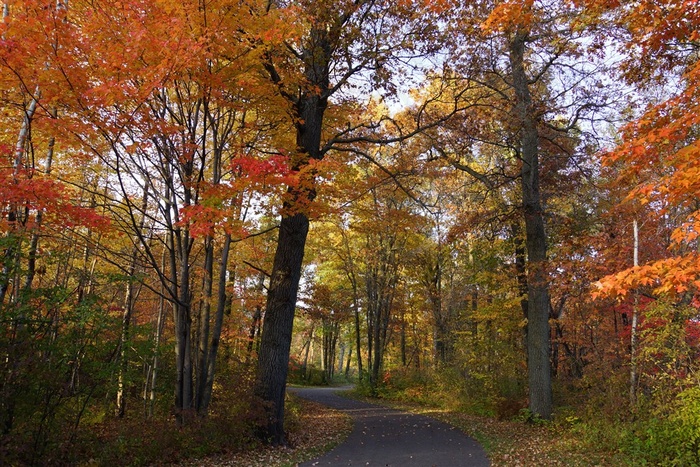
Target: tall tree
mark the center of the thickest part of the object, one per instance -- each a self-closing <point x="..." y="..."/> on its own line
<point x="528" y="96"/>
<point x="342" y="44"/>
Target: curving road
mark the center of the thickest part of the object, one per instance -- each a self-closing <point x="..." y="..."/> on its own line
<point x="388" y="437"/>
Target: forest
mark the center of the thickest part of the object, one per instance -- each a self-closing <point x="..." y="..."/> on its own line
<point x="487" y="204"/>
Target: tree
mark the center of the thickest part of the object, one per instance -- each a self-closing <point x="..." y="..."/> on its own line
<point x="660" y="148"/>
<point x="656" y="162"/>
<point x="387" y="240"/>
<point x="340" y="43"/>
<point x="44" y="353"/>
<point x="527" y="96"/>
<point x="166" y="131"/>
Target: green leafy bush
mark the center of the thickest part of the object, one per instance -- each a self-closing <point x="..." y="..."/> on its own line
<point x="670" y="439"/>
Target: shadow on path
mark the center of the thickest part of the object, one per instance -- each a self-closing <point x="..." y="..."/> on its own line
<point x="389" y="437"/>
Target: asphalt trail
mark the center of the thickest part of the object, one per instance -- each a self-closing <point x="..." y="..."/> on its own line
<point x="386" y="437"/>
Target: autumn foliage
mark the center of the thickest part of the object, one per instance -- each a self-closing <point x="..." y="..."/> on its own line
<point x="430" y="197"/>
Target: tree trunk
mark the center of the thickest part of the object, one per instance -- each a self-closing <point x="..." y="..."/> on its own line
<point x="273" y="358"/>
<point x="257" y="316"/>
<point x="402" y="343"/>
<point x="330" y="340"/>
<point x="179" y="248"/>
<point x="306" y="349"/>
<point x="347" y="364"/>
<point x="350" y="272"/>
<point x="156" y="346"/>
<point x="124" y="341"/>
<point x="204" y="325"/>
<point x="538" y="335"/>
<point x="520" y="268"/>
<point x="309" y="107"/>
<point x="441" y="327"/>
<point x="358" y="339"/>
<point x="126" y="317"/>
<point x="205" y="397"/>
<point x="633" y="331"/>
<point x="10" y="255"/>
<point x="34" y="243"/>
<point x="341" y="357"/>
<point x="371" y="306"/>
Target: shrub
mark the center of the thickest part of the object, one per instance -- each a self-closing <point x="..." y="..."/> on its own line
<point x="673" y="438"/>
<point x="667" y="435"/>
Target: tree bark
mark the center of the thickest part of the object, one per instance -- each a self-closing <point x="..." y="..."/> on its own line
<point x="273" y="358"/>
<point x="358" y="335"/>
<point x="538" y="334"/>
<point x="10" y="260"/>
<point x="129" y="299"/>
<point x="257" y="316"/>
<point x="633" y="331"/>
<point x="309" y="107"/>
<point x="34" y="243"/>
<point x="156" y="346"/>
<point x="205" y="396"/>
<point x="124" y="341"/>
<point x="204" y="326"/>
<point x="381" y="279"/>
<point x="347" y="363"/>
<point x="350" y="272"/>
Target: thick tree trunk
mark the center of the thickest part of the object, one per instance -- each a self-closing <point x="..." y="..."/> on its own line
<point x="276" y="339"/>
<point x="520" y="267"/>
<point x="538" y="332"/>
<point x="309" y="104"/>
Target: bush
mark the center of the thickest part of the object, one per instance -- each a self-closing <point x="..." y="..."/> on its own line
<point x="309" y="375"/>
<point x="672" y="439"/>
<point x="448" y="388"/>
<point x="668" y="436"/>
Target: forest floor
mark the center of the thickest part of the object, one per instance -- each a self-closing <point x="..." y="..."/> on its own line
<point x="313" y="429"/>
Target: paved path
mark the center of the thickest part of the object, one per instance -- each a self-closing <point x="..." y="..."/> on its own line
<point x="386" y="437"/>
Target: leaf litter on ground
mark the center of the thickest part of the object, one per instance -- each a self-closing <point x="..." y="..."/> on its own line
<point x="316" y="430"/>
